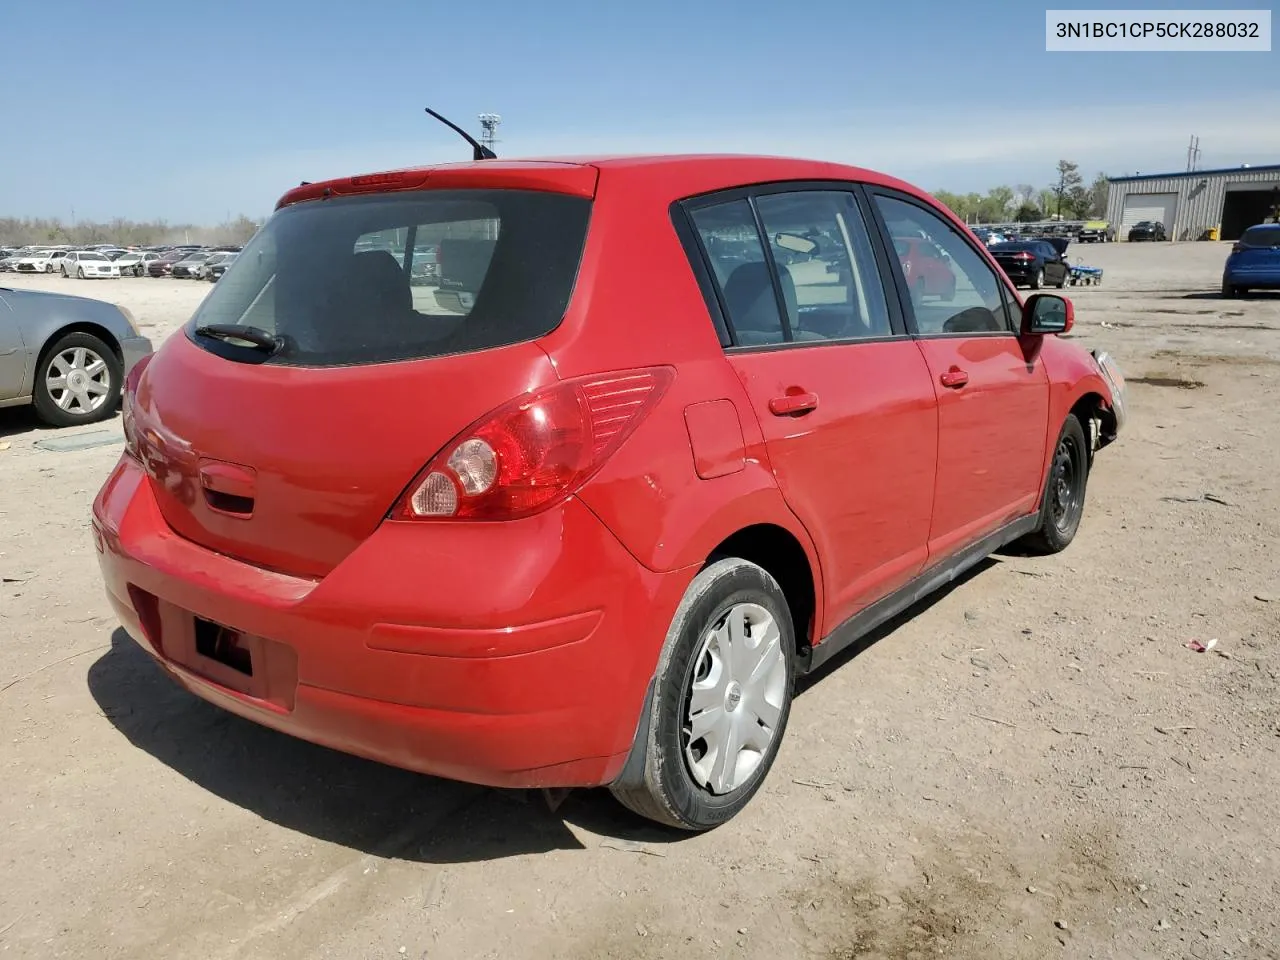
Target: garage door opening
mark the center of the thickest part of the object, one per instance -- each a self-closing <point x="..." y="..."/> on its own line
<point x="1245" y="208"/>
<point x="1156" y="207"/>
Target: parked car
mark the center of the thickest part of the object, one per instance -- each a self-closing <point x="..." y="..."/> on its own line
<point x="7" y="259"/>
<point x="1147" y="230"/>
<point x="66" y="355"/>
<point x="925" y="267"/>
<point x="1034" y="263"/>
<point x="163" y="265"/>
<point x="201" y="271"/>
<point x="217" y="266"/>
<point x="135" y="263"/>
<point x="41" y="261"/>
<point x="189" y="266"/>
<point x="1254" y="261"/>
<point x="670" y="508"/>
<point x="84" y="264"/>
<point x="1095" y="231"/>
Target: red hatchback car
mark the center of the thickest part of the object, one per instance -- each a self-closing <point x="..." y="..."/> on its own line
<point x="656" y="436"/>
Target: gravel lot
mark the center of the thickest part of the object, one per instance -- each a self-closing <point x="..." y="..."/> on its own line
<point x="1031" y="765"/>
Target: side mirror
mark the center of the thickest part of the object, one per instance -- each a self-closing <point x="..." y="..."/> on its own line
<point x="1045" y="313"/>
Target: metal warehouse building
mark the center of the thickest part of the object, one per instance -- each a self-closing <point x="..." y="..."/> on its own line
<point x="1190" y="203"/>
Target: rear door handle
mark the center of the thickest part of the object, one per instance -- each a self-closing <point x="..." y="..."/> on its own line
<point x="793" y="404"/>
<point x="954" y="378"/>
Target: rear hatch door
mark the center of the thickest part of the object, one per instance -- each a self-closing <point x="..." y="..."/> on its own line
<point x="286" y="446"/>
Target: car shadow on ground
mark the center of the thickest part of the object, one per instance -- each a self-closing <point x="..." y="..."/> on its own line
<point x="333" y="796"/>
<point x="364" y="805"/>
<point x="15" y="421"/>
<point x="22" y="421"/>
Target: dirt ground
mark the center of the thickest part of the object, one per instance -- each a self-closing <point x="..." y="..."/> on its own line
<point x="1030" y="765"/>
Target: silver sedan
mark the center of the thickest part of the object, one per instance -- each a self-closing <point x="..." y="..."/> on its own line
<point x="68" y="356"/>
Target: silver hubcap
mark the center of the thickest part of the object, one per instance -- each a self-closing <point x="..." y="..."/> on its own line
<point x="739" y="684"/>
<point x="78" y="380"/>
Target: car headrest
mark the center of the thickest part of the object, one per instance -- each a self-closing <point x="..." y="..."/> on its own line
<point x="377" y="281"/>
<point x="750" y="298"/>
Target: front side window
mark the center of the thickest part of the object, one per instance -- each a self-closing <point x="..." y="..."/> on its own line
<point x="953" y="290"/>
<point x="732" y="242"/>
<point x="830" y="281"/>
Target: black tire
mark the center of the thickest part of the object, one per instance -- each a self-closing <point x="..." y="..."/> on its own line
<point x="79" y="273"/>
<point x="658" y="782"/>
<point x="1062" y="282"/>
<point x="1037" y="281"/>
<point x="1229" y="292"/>
<point x="47" y="408"/>
<point x="65" y="275"/>
<point x="137" y="271"/>
<point x="1060" y="520"/>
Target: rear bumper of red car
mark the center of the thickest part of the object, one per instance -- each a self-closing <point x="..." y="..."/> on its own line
<point x="426" y="648"/>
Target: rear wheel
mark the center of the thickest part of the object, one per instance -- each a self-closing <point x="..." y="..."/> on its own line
<point x="1038" y="280"/>
<point x="721" y="699"/>
<point x="1062" y="506"/>
<point x="78" y="380"/>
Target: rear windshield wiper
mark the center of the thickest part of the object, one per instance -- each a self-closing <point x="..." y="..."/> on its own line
<point x="254" y="337"/>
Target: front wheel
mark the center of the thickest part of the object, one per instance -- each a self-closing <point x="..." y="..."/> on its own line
<point x="721" y="699"/>
<point x="1062" y="505"/>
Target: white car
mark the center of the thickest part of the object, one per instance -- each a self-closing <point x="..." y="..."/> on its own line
<point x="134" y="263"/>
<point x="42" y="261"/>
<point x="202" y="271"/>
<point x="84" y="264"/>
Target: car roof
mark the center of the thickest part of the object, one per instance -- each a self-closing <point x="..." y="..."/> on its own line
<point x="672" y="176"/>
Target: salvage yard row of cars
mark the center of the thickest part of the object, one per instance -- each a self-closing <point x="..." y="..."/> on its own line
<point x="108" y="262"/>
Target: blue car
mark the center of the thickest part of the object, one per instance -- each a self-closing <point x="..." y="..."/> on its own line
<point x="1254" y="262"/>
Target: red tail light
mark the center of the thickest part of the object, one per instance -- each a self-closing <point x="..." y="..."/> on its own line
<point x="126" y="406"/>
<point x="1024" y="256"/>
<point x="534" y="451"/>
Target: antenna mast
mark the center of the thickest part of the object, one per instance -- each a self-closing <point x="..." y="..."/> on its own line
<point x="1193" y="153"/>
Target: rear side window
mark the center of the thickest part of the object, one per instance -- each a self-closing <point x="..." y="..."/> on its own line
<point x="729" y="235"/>
<point x="830" y="281"/>
<point x="404" y="276"/>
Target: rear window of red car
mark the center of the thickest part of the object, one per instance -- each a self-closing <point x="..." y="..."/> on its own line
<point x="386" y="277"/>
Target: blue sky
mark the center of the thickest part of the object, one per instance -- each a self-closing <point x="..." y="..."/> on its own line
<point x="196" y="111"/>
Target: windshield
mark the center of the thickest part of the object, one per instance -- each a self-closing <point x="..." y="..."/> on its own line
<point x="335" y="279"/>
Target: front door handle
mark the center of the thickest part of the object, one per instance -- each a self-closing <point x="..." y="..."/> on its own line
<point x="954" y="378"/>
<point x="793" y="404"/>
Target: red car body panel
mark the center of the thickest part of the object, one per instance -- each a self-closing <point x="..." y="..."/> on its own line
<point x="519" y="652"/>
<point x="312" y="505"/>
